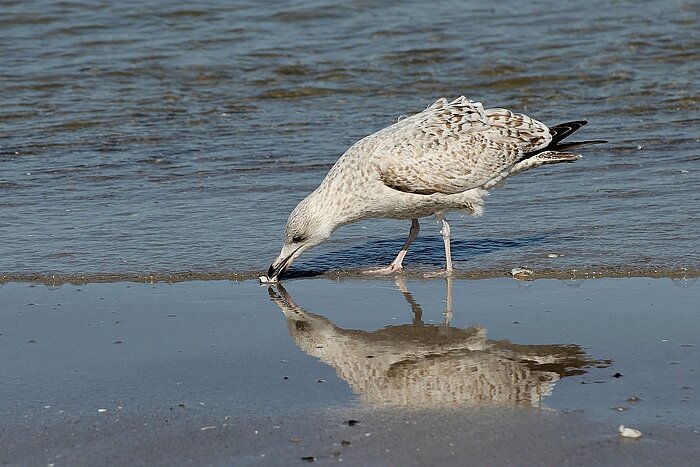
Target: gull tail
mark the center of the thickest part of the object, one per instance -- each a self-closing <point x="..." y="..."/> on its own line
<point x="559" y="133"/>
<point x="555" y="152"/>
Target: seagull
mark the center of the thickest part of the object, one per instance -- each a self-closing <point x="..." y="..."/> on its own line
<point x="442" y="159"/>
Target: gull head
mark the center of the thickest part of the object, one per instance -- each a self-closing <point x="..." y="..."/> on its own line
<point x="308" y="225"/>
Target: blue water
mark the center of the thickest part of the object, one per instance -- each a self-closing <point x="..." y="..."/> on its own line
<point x="168" y="137"/>
<point x="242" y="348"/>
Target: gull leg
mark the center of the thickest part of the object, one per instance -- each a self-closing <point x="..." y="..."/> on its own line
<point x="445" y="232"/>
<point x="397" y="264"/>
<point x="412" y="234"/>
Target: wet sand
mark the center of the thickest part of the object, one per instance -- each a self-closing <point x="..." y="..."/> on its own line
<point x="676" y="273"/>
<point x="484" y="372"/>
<point x="208" y="437"/>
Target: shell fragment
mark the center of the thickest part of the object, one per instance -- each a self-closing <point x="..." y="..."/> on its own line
<point x="629" y="432"/>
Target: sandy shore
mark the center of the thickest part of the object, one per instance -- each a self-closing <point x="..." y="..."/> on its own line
<point x="478" y="372"/>
<point x="197" y="436"/>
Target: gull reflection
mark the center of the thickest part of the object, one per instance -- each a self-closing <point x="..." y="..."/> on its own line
<point x="424" y="365"/>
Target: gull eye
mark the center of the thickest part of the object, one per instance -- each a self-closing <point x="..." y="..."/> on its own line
<point x="297" y="238"/>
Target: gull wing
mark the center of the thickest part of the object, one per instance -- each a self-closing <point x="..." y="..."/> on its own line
<point x="455" y="146"/>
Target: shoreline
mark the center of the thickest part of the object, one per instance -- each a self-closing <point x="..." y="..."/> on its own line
<point x="188" y="276"/>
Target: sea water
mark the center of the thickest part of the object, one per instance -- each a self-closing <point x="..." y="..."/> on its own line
<point x="163" y="137"/>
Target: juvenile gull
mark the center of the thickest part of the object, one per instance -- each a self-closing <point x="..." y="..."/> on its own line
<point x="442" y="159"/>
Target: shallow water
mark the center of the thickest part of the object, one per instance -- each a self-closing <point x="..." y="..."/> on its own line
<point x="617" y="351"/>
<point x="165" y="137"/>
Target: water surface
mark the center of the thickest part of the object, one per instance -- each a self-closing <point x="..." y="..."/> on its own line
<point x="618" y="351"/>
<point x="162" y="138"/>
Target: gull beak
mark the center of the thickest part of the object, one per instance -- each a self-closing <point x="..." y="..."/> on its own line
<point x="275" y="270"/>
<point x="273" y="273"/>
<point x="279" y="267"/>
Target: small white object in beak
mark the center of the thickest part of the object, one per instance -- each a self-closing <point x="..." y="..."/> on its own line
<point x="267" y="280"/>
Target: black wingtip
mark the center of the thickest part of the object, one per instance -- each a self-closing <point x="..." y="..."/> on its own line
<point x="559" y="133"/>
<point x="563" y="130"/>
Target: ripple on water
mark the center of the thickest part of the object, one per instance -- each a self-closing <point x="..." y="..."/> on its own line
<point x="208" y="123"/>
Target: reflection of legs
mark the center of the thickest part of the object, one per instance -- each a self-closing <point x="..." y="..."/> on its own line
<point x="415" y="307"/>
<point x="397" y="264"/>
<point x="448" y="302"/>
<point x="445" y="232"/>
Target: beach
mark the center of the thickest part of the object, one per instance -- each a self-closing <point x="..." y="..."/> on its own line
<point x="356" y="370"/>
<point x="151" y="153"/>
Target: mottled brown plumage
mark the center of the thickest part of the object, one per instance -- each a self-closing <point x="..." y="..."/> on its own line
<point x="441" y="159"/>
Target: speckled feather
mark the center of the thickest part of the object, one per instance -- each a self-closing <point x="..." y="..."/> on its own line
<point x="454" y="146"/>
<point x="442" y="159"/>
<point x="438" y="160"/>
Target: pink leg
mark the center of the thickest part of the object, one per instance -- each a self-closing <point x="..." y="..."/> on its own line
<point x="445" y="231"/>
<point x="397" y="264"/>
